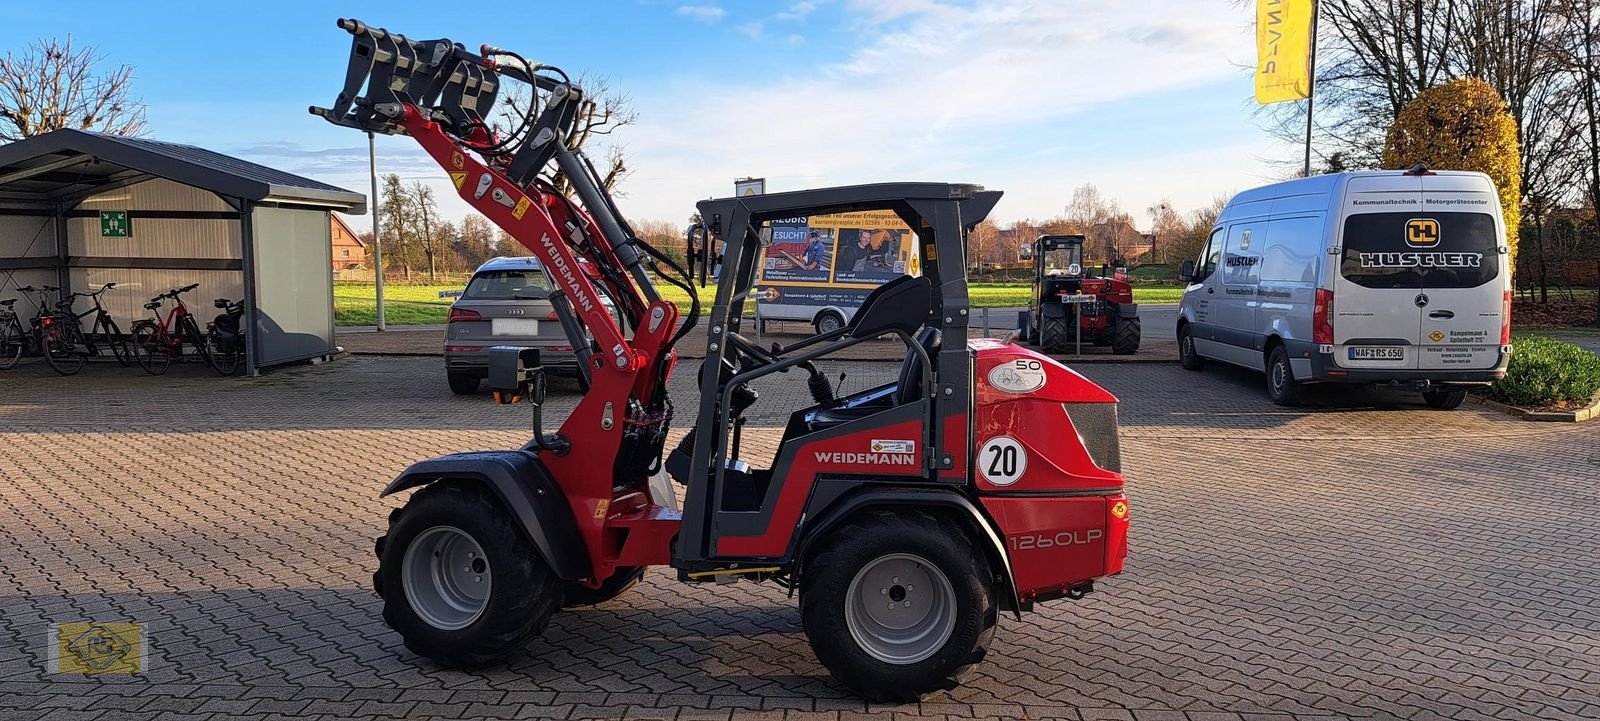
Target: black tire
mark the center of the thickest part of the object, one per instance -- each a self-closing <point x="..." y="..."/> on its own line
<point x="1125" y="339"/>
<point x="116" y="341"/>
<point x="149" y="349"/>
<point x="197" y="341"/>
<point x="1187" y="356"/>
<point x="12" y="342"/>
<point x="1281" y="385"/>
<point x="1448" y="399"/>
<point x="61" y="344"/>
<point x="462" y="384"/>
<point x="524" y="593"/>
<point x="226" y="362"/>
<point x="867" y="539"/>
<point x="828" y="321"/>
<point x="1054" y="334"/>
<point x="620" y="582"/>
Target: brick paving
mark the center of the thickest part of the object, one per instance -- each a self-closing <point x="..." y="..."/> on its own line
<point x="1364" y="558"/>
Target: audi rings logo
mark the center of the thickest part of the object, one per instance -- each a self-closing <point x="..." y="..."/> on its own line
<point x="515" y="311"/>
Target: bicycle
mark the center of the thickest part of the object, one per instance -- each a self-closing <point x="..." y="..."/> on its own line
<point x="55" y="333"/>
<point x="157" y="342"/>
<point x="103" y="331"/>
<point x="13" y="339"/>
<point x="225" y="337"/>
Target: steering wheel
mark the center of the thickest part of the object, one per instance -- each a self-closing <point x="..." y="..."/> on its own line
<point x="821" y="391"/>
<point x="750" y="350"/>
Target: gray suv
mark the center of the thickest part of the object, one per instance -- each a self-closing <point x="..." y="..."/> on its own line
<point x="505" y="303"/>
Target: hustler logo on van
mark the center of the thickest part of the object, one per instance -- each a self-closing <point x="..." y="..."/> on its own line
<point x="1421" y="260"/>
<point x="1422" y="232"/>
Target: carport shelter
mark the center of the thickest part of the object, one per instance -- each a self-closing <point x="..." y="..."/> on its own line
<point x="80" y="209"/>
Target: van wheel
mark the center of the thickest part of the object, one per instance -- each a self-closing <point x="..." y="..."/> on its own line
<point x="1281" y="385"/>
<point x="1445" y="400"/>
<point x="829" y="322"/>
<point x="1187" y="356"/>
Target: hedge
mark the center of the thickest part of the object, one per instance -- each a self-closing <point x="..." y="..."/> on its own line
<point x="1545" y="371"/>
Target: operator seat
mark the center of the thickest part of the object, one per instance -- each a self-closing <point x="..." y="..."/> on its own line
<point x="907" y="389"/>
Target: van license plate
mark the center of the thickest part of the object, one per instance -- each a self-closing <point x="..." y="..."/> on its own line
<point x="1378" y="353"/>
<point x="514" y="326"/>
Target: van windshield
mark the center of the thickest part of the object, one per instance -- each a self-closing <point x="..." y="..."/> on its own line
<point x="1420" y="250"/>
<point x="507" y="285"/>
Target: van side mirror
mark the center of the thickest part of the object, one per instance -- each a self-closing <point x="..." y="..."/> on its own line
<point x="1186" y="271"/>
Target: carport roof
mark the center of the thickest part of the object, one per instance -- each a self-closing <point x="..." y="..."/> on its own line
<point x="71" y="164"/>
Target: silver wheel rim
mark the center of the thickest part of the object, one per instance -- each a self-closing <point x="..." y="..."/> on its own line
<point x="1188" y="345"/>
<point x="446" y="578"/>
<point x="900" y="609"/>
<point x="1277" y="377"/>
<point x="830" y="324"/>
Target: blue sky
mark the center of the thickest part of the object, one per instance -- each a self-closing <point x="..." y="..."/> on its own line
<point x="1150" y="101"/>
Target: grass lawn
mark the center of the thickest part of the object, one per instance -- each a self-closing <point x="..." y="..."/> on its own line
<point x="354" y="304"/>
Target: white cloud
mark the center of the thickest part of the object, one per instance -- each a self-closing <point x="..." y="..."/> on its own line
<point x="928" y="86"/>
<point x="797" y="11"/>
<point x="703" y="13"/>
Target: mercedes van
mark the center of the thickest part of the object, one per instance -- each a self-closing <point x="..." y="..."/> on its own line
<point x="1385" y="277"/>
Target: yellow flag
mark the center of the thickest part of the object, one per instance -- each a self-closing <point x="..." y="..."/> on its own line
<point x="1283" y="50"/>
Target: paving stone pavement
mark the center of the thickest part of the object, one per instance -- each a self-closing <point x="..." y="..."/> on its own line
<point x="1362" y="558"/>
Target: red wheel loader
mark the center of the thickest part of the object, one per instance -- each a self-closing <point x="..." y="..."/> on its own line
<point x="907" y="517"/>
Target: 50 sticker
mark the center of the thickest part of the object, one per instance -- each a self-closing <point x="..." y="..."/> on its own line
<point x="1002" y="460"/>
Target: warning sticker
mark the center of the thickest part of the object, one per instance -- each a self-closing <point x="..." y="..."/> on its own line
<point x="459" y="178"/>
<point x="894" y="446"/>
<point x="522" y="208"/>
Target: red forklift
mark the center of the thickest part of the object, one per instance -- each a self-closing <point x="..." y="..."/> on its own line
<point x="906" y="517"/>
<point x="1068" y="307"/>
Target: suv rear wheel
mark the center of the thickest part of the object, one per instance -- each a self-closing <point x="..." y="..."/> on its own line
<point x="462" y="384"/>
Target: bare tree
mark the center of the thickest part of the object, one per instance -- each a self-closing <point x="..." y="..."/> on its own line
<point x="397" y="214"/>
<point x="426" y="210"/>
<point x="602" y="112"/>
<point x="54" y="85"/>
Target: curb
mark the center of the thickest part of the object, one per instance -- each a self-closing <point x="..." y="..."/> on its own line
<point x="1587" y="413"/>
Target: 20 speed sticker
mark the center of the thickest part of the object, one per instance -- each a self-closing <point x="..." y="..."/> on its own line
<point x="1002" y="460"/>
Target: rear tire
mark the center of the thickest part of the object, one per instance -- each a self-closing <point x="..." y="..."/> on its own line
<point x="117" y="342"/>
<point x="1445" y="400"/>
<point x="462" y="384"/>
<point x="149" y="349"/>
<point x="1125" y="340"/>
<point x="1281" y="385"/>
<point x="939" y="586"/>
<point x="459" y="580"/>
<point x="12" y="341"/>
<point x="829" y="322"/>
<point x="61" y="349"/>
<point x="623" y="580"/>
<point x="1187" y="356"/>
<point x="1053" y="334"/>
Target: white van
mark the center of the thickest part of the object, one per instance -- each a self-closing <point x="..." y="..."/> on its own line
<point x="1395" y="277"/>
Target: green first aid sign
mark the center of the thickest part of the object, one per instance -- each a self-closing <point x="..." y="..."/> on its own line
<point x="114" y="224"/>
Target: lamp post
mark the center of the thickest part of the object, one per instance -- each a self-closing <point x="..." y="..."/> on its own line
<point x="377" y="240"/>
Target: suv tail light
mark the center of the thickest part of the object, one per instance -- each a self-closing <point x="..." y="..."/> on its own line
<point x="463" y="314"/>
<point x="1505" y="318"/>
<point x="1322" y="318"/>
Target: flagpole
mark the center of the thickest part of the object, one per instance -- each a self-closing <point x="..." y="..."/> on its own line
<point x="1311" y="86"/>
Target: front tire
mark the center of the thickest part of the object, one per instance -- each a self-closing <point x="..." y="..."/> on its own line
<point x="1445" y="400"/>
<point x="150" y="349"/>
<point x="1053" y="334"/>
<point x="61" y="346"/>
<point x="1187" y="356"/>
<point x="897" y="605"/>
<point x="12" y="341"/>
<point x="1125" y="340"/>
<point x="460" y="582"/>
<point x="1281" y="385"/>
